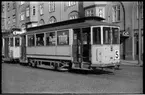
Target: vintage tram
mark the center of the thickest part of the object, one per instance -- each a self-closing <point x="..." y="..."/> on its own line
<point x="11" y="47"/>
<point x="84" y="43"/>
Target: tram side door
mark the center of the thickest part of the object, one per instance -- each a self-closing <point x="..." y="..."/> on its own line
<point x="23" y="47"/>
<point x="77" y="46"/>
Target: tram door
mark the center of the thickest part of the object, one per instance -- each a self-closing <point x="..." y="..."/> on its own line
<point x="81" y="45"/>
<point x="23" y="47"/>
<point x="77" y="46"/>
<point x="86" y="45"/>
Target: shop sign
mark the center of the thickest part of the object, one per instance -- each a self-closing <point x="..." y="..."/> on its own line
<point x="125" y="33"/>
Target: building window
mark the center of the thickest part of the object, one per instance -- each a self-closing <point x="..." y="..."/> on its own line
<point x="116" y="13"/>
<point x="14" y="5"/>
<point x="27" y="12"/>
<point x="8" y="6"/>
<point x="22" y="16"/>
<point x="3" y="8"/>
<point x="50" y="38"/>
<point x="41" y="22"/>
<point x="17" y="41"/>
<point x="141" y="9"/>
<point x="3" y="20"/>
<point x="90" y="12"/>
<point x="73" y="15"/>
<point x="51" y="7"/>
<point x="41" y="9"/>
<point x="101" y="12"/>
<point x="52" y="19"/>
<point x="63" y="37"/>
<point x="23" y="26"/>
<point x="69" y="4"/>
<point x="40" y="39"/>
<point x="14" y="18"/>
<point x="33" y="10"/>
<point x="22" y="2"/>
<point x="31" y="40"/>
<point x="8" y="20"/>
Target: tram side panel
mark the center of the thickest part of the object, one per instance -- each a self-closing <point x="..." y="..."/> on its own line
<point x="60" y="52"/>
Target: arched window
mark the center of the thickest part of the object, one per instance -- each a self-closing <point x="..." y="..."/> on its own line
<point x="23" y="26"/>
<point x="33" y="10"/>
<point x="52" y="19"/>
<point x="41" y="22"/>
<point x="73" y="15"/>
<point x="13" y="26"/>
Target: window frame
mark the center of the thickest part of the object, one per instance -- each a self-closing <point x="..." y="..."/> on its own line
<point x="14" y="5"/>
<point x="11" y="41"/>
<point x="16" y="42"/>
<point x="22" y="16"/>
<point x="141" y="10"/>
<point x="109" y="36"/>
<point x="55" y="39"/>
<point x="39" y="42"/>
<point x="92" y="35"/>
<point x="3" y="6"/>
<point x="89" y="12"/>
<point x="29" y="41"/>
<point x="51" y="6"/>
<point x="116" y="9"/>
<point x="68" y="37"/>
<point x="34" y="11"/>
<point x="52" y="19"/>
<point x="28" y="12"/>
<point x="9" y="21"/>
<point x="69" y="4"/>
<point x="22" y="2"/>
<point x="8" y="7"/>
<point x="113" y="35"/>
<point x="41" y="8"/>
<point x="14" y="18"/>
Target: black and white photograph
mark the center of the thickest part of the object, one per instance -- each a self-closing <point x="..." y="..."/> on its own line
<point x="72" y="47"/>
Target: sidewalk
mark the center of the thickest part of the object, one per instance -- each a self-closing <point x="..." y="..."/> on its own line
<point x="130" y="62"/>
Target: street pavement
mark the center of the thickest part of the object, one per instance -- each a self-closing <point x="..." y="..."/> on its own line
<point x="24" y="79"/>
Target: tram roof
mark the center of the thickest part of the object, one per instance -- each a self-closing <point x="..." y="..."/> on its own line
<point x="75" y="23"/>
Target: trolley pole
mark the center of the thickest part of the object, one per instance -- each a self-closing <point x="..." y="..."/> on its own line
<point x="139" y="34"/>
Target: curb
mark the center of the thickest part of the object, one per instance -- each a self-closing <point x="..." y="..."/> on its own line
<point x="131" y="63"/>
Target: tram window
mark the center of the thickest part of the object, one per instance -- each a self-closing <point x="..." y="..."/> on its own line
<point x="63" y="37"/>
<point x="11" y="41"/>
<point x="17" y="42"/>
<point x="50" y="38"/>
<point x="31" y="40"/>
<point x="107" y="35"/>
<point x="40" y="39"/>
<point x="115" y="35"/>
<point x="97" y="35"/>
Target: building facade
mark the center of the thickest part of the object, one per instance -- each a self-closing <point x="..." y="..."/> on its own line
<point x="124" y="14"/>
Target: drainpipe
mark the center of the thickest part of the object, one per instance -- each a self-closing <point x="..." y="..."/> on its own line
<point x="139" y="34"/>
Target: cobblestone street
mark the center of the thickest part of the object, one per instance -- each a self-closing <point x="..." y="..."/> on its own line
<point x="24" y="79"/>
